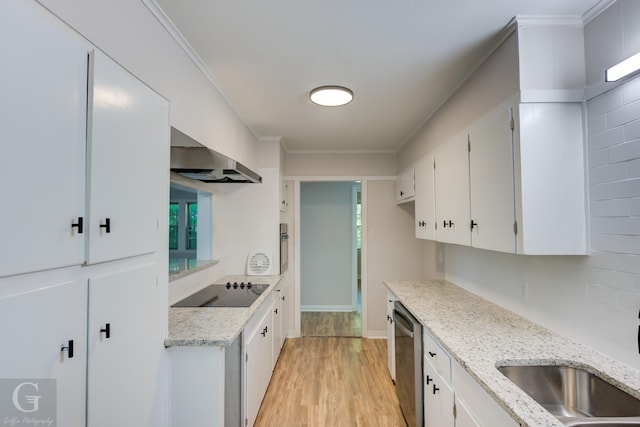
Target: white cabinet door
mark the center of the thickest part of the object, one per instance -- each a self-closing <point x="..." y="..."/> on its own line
<point x="42" y="117"/>
<point x="452" y="191"/>
<point x="491" y="181"/>
<point x="438" y="399"/>
<point x="258" y="366"/>
<point x="425" y="203"/>
<point x="405" y="186"/>
<point x="37" y="328"/>
<point x="126" y="342"/>
<point x="278" y="326"/>
<point x="128" y="149"/>
<point x="391" y="336"/>
<point x="463" y="416"/>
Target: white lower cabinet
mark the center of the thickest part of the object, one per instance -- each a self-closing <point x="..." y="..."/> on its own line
<point x="452" y="397"/>
<point x="463" y="416"/>
<point x="258" y="360"/>
<point x="126" y="342"/>
<point x="44" y="337"/>
<point x="438" y="398"/>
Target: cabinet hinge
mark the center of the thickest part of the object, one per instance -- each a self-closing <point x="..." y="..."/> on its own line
<point x="515" y="227"/>
<point x="434" y="164"/>
<point x="455" y="411"/>
<point x="512" y="124"/>
<point x="246" y="421"/>
<point x="469" y="143"/>
<point x="246" y="357"/>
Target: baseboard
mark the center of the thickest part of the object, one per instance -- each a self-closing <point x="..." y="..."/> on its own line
<point x="377" y="334"/>
<point x="328" y="308"/>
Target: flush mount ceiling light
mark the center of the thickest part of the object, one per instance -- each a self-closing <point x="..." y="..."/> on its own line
<point x="331" y="96"/>
<point x="626" y="67"/>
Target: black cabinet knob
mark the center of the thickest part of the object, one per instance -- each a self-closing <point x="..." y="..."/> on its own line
<point x="429" y="379"/>
<point x="473" y="224"/>
<point x="435" y="389"/>
<point x="69" y="349"/>
<point x="432" y="354"/>
<point x="106" y="330"/>
<point x="79" y="226"/>
<point x="106" y="225"/>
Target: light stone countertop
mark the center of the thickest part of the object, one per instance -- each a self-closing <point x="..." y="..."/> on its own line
<point x="481" y="335"/>
<point x="214" y="326"/>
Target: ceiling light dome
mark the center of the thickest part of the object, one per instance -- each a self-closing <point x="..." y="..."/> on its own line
<point x="331" y="96"/>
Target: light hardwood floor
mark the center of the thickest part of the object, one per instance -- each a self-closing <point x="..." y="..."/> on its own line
<point x="331" y="382"/>
<point x="331" y="324"/>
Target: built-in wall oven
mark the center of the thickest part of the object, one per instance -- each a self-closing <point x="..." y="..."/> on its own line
<point x="408" y="344"/>
<point x="284" y="248"/>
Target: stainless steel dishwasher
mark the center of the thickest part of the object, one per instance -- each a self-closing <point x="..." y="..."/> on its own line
<point x="408" y="344"/>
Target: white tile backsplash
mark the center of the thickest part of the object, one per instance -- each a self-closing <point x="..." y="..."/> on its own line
<point x="623" y="115"/>
<point x="616" y="207"/>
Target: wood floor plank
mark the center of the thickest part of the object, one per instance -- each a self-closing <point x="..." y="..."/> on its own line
<point x="331" y="324"/>
<point x="331" y="381"/>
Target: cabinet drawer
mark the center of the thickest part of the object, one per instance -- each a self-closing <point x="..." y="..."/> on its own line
<point x="437" y="356"/>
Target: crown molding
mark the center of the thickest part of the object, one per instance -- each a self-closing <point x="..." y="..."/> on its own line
<point x="596" y="10"/>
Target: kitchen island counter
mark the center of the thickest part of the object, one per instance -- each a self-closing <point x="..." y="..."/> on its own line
<point x="481" y="335"/>
<point x="215" y="326"/>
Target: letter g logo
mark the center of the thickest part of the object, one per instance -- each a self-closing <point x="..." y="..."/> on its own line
<point x="33" y="400"/>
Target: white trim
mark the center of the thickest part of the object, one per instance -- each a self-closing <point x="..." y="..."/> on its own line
<point x="378" y="335"/>
<point x="312" y="178"/>
<point x="327" y="308"/>
<point x="552" y="95"/>
<point x="371" y="151"/>
<point x="549" y="20"/>
<point x="596" y="10"/>
<point x="364" y="330"/>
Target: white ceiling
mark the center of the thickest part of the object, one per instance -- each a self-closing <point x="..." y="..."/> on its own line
<point x="401" y="58"/>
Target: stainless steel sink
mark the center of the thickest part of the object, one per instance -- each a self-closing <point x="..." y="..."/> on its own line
<point x="575" y="396"/>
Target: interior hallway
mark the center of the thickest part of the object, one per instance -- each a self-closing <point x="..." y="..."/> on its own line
<point x="336" y="382"/>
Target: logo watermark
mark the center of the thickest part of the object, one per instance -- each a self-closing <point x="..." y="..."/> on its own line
<point x="28" y="402"/>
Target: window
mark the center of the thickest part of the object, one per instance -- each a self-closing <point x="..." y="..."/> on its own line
<point x="174" y="209"/>
<point x="192" y="225"/>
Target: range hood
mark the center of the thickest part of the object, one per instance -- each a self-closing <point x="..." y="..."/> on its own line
<point x="193" y="160"/>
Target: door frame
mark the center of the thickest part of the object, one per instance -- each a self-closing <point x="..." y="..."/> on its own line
<point x="296" y="244"/>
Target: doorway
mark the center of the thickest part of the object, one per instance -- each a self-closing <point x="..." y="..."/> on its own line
<point x="330" y="247"/>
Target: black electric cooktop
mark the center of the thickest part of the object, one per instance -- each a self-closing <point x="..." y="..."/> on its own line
<point x="225" y="295"/>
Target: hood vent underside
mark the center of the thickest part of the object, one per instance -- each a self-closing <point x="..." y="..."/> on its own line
<point x="195" y="161"/>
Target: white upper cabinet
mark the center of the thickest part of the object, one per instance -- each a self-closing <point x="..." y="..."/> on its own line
<point x="513" y="179"/>
<point x="425" y="208"/>
<point x="70" y="201"/>
<point x="491" y="181"/>
<point x="128" y="146"/>
<point x="549" y="179"/>
<point x="405" y="186"/>
<point x="452" y="191"/>
<point x="42" y="116"/>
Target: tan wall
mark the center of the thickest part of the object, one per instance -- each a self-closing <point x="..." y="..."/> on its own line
<point x="340" y="164"/>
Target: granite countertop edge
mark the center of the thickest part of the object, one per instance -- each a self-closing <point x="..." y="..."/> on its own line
<point x="481" y="335"/>
<point x="215" y="326"/>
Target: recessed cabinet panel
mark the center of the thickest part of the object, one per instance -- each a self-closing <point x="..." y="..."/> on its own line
<point x="491" y="182"/>
<point x="128" y="150"/>
<point x="452" y="191"/>
<point x="126" y="312"/>
<point x="37" y="328"/>
<point x="42" y="117"/>
<point x="438" y="399"/>
<point x="425" y="208"/>
<point x="258" y="359"/>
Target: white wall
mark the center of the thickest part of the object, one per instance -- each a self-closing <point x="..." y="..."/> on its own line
<point x="392" y="252"/>
<point x="128" y="32"/>
<point x="327" y="254"/>
<point x="594" y="299"/>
